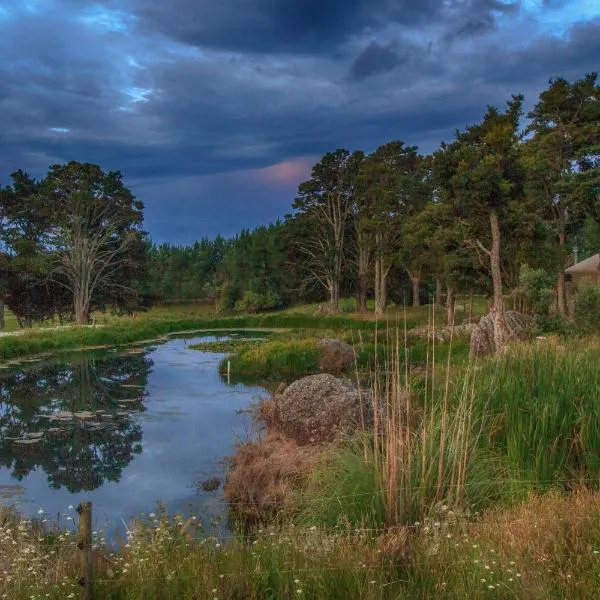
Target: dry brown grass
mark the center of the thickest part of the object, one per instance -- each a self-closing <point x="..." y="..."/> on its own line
<point x="263" y="474"/>
<point x="546" y="547"/>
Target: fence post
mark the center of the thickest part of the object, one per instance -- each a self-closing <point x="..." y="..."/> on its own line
<point x="84" y="543"/>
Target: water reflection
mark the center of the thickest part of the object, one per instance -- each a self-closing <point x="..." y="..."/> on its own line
<point x="73" y="419"/>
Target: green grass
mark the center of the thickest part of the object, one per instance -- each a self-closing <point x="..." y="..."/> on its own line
<point x="273" y="360"/>
<point x="542" y="411"/>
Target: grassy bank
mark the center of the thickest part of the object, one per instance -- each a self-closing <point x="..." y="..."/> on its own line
<point x="547" y="547"/>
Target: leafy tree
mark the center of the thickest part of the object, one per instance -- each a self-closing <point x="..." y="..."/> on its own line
<point x="481" y="176"/>
<point x="563" y="159"/>
<point x="324" y="203"/>
<point x="96" y="225"/>
<point x="25" y="265"/>
<point x="391" y="187"/>
<point x="588" y="238"/>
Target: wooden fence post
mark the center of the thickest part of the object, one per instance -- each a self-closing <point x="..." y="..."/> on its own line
<point x="84" y="543"/>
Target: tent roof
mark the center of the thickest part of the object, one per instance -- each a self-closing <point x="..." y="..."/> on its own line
<point x="589" y="265"/>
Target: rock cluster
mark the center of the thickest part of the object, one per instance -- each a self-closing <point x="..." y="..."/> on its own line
<point x="482" y="336"/>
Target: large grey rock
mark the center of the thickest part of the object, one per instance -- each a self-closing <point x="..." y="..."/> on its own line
<point x="322" y="408"/>
<point x="336" y="356"/>
<point x="482" y="337"/>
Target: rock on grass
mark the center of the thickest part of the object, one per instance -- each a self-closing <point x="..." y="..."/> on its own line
<point x="322" y="408"/>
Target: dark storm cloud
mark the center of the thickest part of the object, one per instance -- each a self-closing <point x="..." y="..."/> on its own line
<point x="375" y="59"/>
<point x="295" y="26"/>
<point x="190" y="99"/>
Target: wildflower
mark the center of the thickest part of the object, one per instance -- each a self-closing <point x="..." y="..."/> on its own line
<point x="490" y="587"/>
<point x="41" y="511"/>
<point x="70" y="507"/>
<point x="296" y="581"/>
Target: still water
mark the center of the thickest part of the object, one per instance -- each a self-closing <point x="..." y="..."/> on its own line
<point x="124" y="429"/>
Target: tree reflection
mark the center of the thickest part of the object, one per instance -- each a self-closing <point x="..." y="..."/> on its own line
<point x="73" y="419"/>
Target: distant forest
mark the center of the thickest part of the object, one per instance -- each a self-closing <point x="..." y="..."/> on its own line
<point x="498" y="205"/>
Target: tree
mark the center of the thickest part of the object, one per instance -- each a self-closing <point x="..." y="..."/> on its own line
<point x="391" y="185"/>
<point x="96" y="224"/>
<point x="24" y="263"/>
<point x="563" y="161"/>
<point x="324" y="203"/>
<point x="481" y="176"/>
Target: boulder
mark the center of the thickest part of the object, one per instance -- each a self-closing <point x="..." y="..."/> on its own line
<point x="322" y="408"/>
<point x="482" y="337"/>
<point x="336" y="356"/>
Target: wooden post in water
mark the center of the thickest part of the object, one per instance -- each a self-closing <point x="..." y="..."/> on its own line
<point x="84" y="543"/>
<point x="228" y="372"/>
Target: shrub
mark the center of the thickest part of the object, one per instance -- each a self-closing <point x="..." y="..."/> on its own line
<point x="251" y="302"/>
<point x="229" y="296"/>
<point x="587" y="306"/>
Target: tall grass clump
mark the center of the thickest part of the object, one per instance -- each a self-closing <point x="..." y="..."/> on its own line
<point x="543" y="408"/>
<point x="426" y="445"/>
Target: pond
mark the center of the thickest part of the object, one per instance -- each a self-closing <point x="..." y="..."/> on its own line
<point x="124" y="429"/>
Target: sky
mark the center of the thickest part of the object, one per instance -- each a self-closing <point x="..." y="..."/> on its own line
<point x="215" y="110"/>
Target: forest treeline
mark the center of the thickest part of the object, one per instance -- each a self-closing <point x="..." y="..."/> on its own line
<point x="500" y="206"/>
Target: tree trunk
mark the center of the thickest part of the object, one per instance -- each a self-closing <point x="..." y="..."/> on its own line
<point x="361" y="297"/>
<point x="380" y="287"/>
<point x="416" y="291"/>
<point x="2" y="320"/>
<point x="364" y="267"/>
<point x="497" y="310"/>
<point x="450" y="306"/>
<point x="81" y="310"/>
<point x="560" y="281"/>
<point x="438" y="292"/>
<point x="363" y="285"/>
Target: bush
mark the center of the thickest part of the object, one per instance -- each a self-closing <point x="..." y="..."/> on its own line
<point x="536" y="288"/>
<point x="538" y="293"/>
<point x="229" y="296"/>
<point x="251" y="302"/>
<point x="587" y="306"/>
